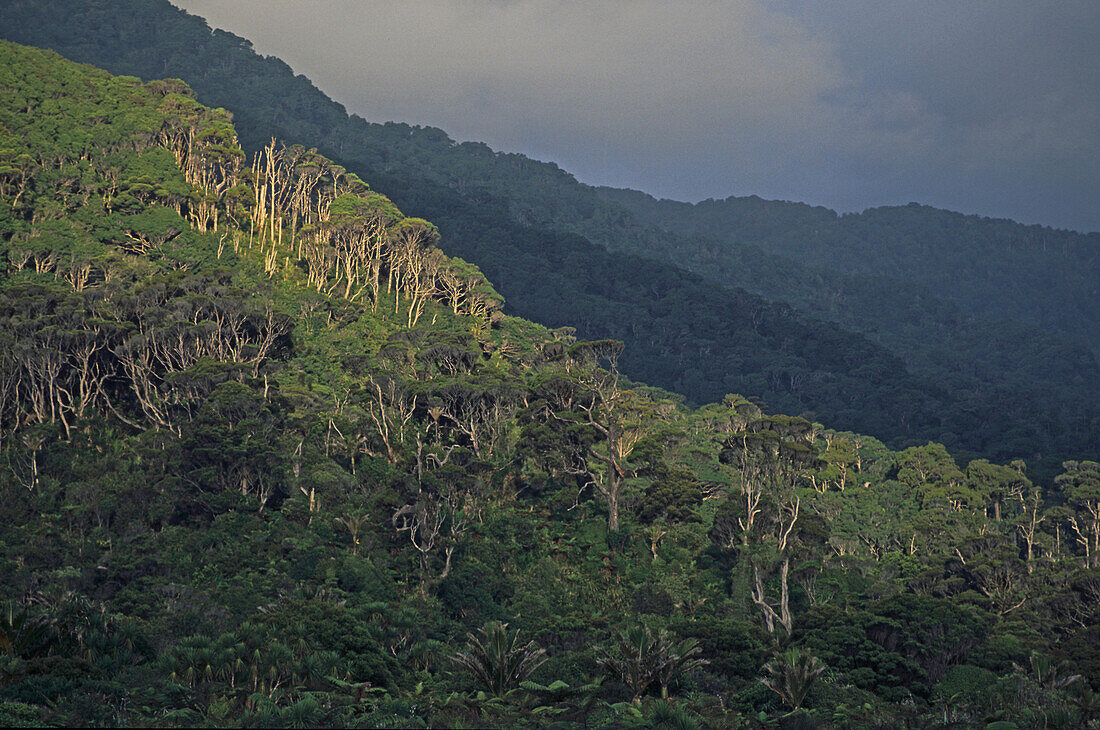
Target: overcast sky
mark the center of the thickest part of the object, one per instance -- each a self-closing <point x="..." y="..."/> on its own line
<point x="989" y="107"/>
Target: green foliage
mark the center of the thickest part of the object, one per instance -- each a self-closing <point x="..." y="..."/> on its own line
<point x="673" y="494"/>
<point x="641" y="657"/>
<point x="24" y="635"/>
<point x="876" y="331"/>
<point x="970" y="685"/>
<point x="240" y="488"/>
<point x="497" y="660"/>
<point x="20" y="714"/>
<point x="667" y="716"/>
<point x="791" y="675"/>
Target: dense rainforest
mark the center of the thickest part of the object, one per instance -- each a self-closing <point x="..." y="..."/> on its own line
<point x="270" y="457"/>
<point x="910" y="324"/>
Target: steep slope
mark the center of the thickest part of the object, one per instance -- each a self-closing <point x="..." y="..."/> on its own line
<point x="497" y="209"/>
<point x="268" y="457"/>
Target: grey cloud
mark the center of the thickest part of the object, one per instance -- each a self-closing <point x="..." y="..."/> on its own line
<point x="976" y="106"/>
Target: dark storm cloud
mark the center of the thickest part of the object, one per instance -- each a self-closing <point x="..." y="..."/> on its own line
<point x="988" y="107"/>
<point x="1006" y="93"/>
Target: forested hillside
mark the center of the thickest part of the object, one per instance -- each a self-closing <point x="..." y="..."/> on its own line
<point x="269" y="457"/>
<point x="994" y="268"/>
<point x="772" y="307"/>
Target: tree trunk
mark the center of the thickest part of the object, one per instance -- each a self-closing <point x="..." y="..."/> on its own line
<point x="613" y="486"/>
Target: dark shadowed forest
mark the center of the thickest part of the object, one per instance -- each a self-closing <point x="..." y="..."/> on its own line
<point x="306" y="421"/>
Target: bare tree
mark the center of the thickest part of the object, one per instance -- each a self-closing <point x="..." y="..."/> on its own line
<point x="390" y="408"/>
<point x="615" y="413"/>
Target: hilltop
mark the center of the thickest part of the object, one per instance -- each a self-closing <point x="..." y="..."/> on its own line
<point x="909" y="324"/>
<point x="272" y="458"/>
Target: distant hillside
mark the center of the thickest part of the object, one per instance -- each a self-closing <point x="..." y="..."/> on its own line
<point x="899" y="359"/>
<point x="994" y="268"/>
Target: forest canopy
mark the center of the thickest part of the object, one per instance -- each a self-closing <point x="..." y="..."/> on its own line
<point x="270" y="457"/>
<point x="910" y="324"/>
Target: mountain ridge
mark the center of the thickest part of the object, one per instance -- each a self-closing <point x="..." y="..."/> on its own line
<point x="434" y="176"/>
<point x="746" y="219"/>
<point x="270" y="458"/>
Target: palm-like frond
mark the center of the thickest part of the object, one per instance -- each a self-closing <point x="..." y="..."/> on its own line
<point x="22" y="634"/>
<point x="642" y="657"/>
<point x="634" y="660"/>
<point x="676" y="660"/>
<point x="1048" y="673"/>
<point x="497" y="660"/>
<point x="792" y="673"/>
